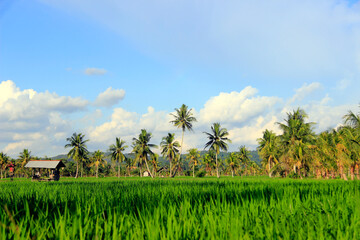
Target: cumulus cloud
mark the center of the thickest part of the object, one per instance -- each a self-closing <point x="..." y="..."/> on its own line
<point x="95" y="71"/>
<point x="245" y="114"/>
<point x="127" y="125"/>
<point x="17" y="105"/>
<point x="249" y="134"/>
<point x="109" y="97"/>
<point x="34" y="119"/>
<point x="236" y="107"/>
<point x="40" y="122"/>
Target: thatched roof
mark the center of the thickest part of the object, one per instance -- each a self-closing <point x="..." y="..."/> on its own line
<point x="52" y="164"/>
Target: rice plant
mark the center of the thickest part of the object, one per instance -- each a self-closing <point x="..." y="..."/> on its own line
<point x="206" y="208"/>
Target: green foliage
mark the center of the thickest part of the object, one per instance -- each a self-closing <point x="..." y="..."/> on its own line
<point x="187" y="173"/>
<point x="201" y="174"/>
<point x="142" y="148"/>
<point x="217" y="141"/>
<point x="78" y="150"/>
<point x="183" y="118"/>
<point x="204" y="208"/>
<point x="135" y="172"/>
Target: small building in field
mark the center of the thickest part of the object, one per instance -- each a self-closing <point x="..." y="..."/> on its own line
<point x="53" y="165"/>
<point x="146" y="173"/>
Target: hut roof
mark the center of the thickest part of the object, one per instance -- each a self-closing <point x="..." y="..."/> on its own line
<point x="52" y="164"/>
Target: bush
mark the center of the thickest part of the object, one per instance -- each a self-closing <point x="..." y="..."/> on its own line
<point x="187" y="173"/>
<point x="135" y="172"/>
<point x="293" y="175"/>
<point x="201" y="174"/>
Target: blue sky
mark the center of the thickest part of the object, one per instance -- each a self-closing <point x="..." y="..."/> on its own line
<point x="110" y="68"/>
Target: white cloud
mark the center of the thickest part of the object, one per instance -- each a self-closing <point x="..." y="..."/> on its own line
<point x="305" y="91"/>
<point x="41" y="122"/>
<point x="95" y="71"/>
<point x="237" y="111"/>
<point x="326" y="116"/>
<point x="236" y="107"/>
<point x="249" y="134"/>
<point x="245" y="114"/>
<point x="127" y="125"/>
<point x="109" y="97"/>
<point x="32" y="119"/>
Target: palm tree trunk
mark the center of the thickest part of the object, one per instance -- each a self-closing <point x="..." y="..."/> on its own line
<point x="270" y="167"/>
<point x="178" y="163"/>
<point x="352" y="168"/>
<point x="217" y="167"/>
<point x="147" y="166"/>
<point x="154" y="171"/>
<point x="1" y="173"/>
<point x="77" y="169"/>
<point x="232" y="172"/>
<point x="194" y="170"/>
<point x="140" y="169"/>
<point x="343" y="175"/>
<point x="170" y="160"/>
<point x="97" y="171"/>
<point x="318" y="173"/>
<point x="357" y="171"/>
<point x="119" y="169"/>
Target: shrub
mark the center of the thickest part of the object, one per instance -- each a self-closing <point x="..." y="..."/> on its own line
<point x="187" y="173"/>
<point x="201" y="174"/>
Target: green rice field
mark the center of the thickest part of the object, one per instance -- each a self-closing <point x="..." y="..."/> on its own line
<point x="180" y="208"/>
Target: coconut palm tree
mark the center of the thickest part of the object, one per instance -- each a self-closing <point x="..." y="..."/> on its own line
<point x="4" y="159"/>
<point x="170" y="148"/>
<point x="351" y="140"/>
<point x="117" y="152"/>
<point x="142" y="148"/>
<point x="244" y="157"/>
<point x="331" y="153"/>
<point x="24" y="157"/>
<point x="208" y="160"/>
<point x="183" y="119"/>
<point x="254" y="167"/>
<point x="154" y="158"/>
<point x="138" y="160"/>
<point x="297" y="136"/>
<point x="217" y="141"/>
<point x="352" y="119"/>
<point x="97" y="160"/>
<point x="323" y="154"/>
<point x="269" y="148"/>
<point x="129" y="162"/>
<point x="85" y="161"/>
<point x="78" y="150"/>
<point x="193" y="157"/>
<point x="233" y="162"/>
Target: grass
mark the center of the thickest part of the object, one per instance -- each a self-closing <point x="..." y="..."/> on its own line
<point x="180" y="208"/>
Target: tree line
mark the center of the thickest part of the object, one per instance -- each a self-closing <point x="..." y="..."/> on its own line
<point x="297" y="152"/>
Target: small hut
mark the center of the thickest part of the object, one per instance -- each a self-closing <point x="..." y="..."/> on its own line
<point x="53" y="165"/>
